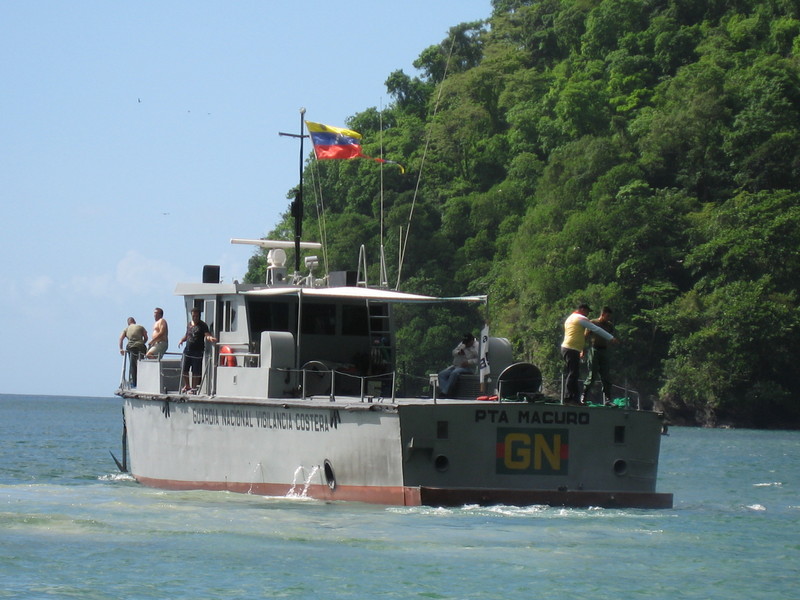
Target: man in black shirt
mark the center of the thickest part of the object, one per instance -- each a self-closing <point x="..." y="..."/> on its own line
<point x="197" y="334"/>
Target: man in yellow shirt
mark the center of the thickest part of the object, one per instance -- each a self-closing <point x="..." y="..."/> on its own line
<point x="572" y="346"/>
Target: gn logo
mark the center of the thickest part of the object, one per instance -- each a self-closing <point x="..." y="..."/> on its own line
<point x="532" y="451"/>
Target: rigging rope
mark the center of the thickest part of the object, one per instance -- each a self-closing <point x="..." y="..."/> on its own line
<point x="404" y="241"/>
<point x="320" y="206"/>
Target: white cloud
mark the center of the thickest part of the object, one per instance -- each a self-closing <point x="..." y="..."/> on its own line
<point x="39" y="286"/>
<point x="94" y="286"/>
<point x="141" y="274"/>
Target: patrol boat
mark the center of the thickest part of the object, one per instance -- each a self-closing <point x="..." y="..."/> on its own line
<point x="299" y="397"/>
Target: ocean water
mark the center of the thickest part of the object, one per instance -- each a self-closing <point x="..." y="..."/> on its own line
<point x="71" y="526"/>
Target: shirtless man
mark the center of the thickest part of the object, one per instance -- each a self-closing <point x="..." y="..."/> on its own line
<point x="158" y="339"/>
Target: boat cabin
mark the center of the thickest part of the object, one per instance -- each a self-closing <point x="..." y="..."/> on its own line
<point x="285" y="340"/>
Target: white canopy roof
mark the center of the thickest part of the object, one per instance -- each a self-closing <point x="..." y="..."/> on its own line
<point x="360" y="293"/>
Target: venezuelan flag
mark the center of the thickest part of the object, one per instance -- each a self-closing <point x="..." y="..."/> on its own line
<point x="334" y="142"/>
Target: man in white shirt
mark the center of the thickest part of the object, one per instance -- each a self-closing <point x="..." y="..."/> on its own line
<point x="465" y="359"/>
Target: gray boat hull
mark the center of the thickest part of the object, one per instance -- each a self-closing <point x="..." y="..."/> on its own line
<point x="406" y="452"/>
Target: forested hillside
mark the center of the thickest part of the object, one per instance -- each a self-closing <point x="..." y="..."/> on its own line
<point x="639" y="154"/>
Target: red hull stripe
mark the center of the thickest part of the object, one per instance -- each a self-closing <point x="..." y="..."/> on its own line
<point x="417" y="496"/>
<point x="392" y="495"/>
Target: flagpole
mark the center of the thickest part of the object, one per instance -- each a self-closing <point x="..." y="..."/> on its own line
<point x="298" y="212"/>
<point x="297" y="204"/>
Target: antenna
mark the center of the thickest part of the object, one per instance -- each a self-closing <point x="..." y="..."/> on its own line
<point x="404" y="241"/>
<point x="362" y="263"/>
<point x="384" y="280"/>
<point x="297" y="207"/>
<point x="297" y="203"/>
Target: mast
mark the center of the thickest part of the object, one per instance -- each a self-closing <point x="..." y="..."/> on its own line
<point x="297" y="205"/>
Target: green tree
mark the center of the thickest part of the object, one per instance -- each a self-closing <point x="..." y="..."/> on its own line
<point x="644" y="155"/>
<point x="731" y="332"/>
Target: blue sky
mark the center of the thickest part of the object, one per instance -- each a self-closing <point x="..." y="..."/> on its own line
<point x="137" y="138"/>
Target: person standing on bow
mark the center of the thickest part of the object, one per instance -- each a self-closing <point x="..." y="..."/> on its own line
<point x="572" y="348"/>
<point x="197" y="334"/>
<point x="597" y="358"/>
<point x="137" y="340"/>
<point x="465" y="359"/>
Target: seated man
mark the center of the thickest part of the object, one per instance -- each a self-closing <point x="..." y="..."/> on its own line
<point x="465" y="359"/>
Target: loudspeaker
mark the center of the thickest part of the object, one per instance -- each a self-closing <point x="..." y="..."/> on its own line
<point x="343" y="278"/>
<point x="210" y="273"/>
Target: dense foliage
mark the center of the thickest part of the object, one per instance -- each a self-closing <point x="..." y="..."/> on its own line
<point x="642" y="154"/>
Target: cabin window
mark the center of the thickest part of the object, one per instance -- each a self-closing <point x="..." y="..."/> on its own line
<point x="209" y="314"/>
<point x="228" y="316"/>
<point x="619" y="434"/>
<point x="319" y="319"/>
<point x="206" y="308"/>
<point x="269" y="316"/>
<point x="354" y="320"/>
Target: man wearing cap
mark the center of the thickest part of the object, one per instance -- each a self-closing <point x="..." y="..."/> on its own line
<point x="597" y="358"/>
<point x="465" y="359"/>
<point x="575" y="327"/>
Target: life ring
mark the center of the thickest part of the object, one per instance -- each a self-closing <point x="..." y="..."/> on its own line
<point x="226" y="357"/>
<point x="316" y="378"/>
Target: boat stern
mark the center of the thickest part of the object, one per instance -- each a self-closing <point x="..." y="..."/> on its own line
<point x="521" y="453"/>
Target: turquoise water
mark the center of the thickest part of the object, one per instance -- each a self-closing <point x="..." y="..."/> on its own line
<point x="71" y="527"/>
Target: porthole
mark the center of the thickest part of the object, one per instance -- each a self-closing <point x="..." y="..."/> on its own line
<point x="441" y="463"/>
<point x="330" y="477"/>
<point x="620" y="467"/>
